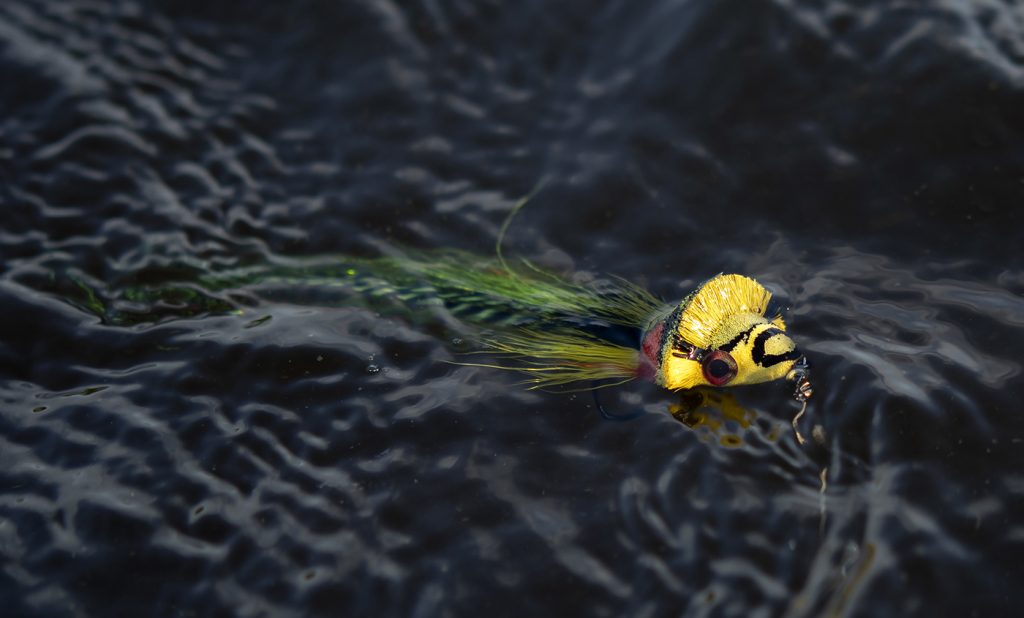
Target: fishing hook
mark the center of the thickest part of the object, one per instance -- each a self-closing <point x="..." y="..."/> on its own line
<point x="605" y="414"/>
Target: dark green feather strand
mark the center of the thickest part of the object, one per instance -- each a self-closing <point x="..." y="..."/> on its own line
<point x="530" y="317"/>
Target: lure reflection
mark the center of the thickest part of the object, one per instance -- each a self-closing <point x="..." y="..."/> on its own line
<point x="716" y="412"/>
<point x="717" y="415"/>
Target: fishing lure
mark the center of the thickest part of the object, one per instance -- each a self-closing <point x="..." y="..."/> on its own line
<point x="552" y="330"/>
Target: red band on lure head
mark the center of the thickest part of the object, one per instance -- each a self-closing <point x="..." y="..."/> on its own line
<point x="650" y="350"/>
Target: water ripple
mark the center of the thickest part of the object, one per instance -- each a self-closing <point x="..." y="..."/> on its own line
<point x="861" y="160"/>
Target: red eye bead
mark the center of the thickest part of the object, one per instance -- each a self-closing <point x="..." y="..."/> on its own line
<point x="719" y="368"/>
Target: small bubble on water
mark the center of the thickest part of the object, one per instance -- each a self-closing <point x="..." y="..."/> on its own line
<point x="372" y="368"/>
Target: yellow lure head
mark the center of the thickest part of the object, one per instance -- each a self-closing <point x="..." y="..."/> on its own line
<point x="719" y="336"/>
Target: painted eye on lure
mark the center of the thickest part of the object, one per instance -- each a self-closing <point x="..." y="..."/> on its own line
<point x="719" y="368"/>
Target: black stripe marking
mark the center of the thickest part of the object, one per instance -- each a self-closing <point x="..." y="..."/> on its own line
<point x="758" y="355"/>
<point x="774" y="359"/>
<point x="729" y="345"/>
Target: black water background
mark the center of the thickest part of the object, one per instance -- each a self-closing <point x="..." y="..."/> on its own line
<point x="861" y="159"/>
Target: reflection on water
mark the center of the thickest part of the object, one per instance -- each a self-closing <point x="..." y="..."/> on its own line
<point x="716" y="415"/>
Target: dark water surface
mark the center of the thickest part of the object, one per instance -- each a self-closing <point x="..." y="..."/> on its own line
<point x="864" y="160"/>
